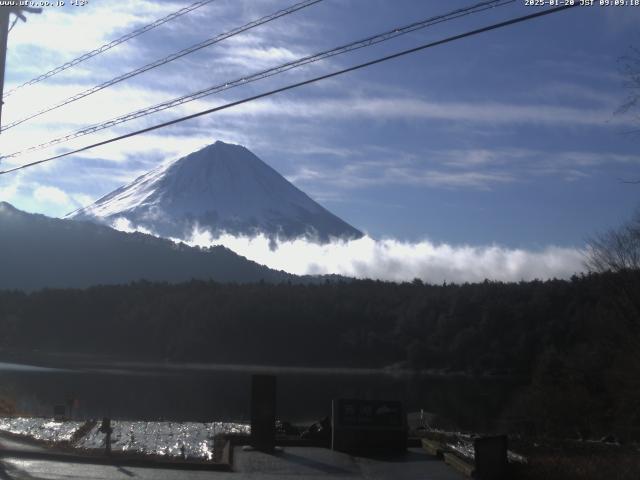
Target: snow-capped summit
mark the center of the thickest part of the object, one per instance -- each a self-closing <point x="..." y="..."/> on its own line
<point x="221" y="188"/>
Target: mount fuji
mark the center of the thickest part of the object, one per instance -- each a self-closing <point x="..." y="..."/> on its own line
<point x="223" y="188"/>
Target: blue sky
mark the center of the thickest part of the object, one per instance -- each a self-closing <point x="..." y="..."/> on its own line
<point x="508" y="138"/>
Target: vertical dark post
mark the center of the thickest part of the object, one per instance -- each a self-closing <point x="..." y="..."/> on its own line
<point x="107" y="430"/>
<point x="4" y="34"/>
<point x="5" y="12"/>
<point x="108" y="443"/>
<point x="263" y="412"/>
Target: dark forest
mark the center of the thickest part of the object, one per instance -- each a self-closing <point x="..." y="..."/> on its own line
<point x="573" y="345"/>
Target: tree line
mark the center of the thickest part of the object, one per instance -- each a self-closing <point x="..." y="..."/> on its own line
<point x="574" y="342"/>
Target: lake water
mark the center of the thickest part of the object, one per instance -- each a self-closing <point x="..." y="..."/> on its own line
<point x="221" y="392"/>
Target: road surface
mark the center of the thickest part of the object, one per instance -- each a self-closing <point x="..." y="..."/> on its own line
<point x="307" y="463"/>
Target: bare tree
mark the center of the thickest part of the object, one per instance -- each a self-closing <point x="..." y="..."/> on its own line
<point x="630" y="68"/>
<point x="617" y="249"/>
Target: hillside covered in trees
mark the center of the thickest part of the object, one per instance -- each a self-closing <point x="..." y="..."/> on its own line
<point x="574" y="344"/>
<point x="78" y="254"/>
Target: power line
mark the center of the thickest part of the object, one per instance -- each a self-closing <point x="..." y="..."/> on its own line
<point x="167" y="59"/>
<point x="460" y="36"/>
<point x="110" y="45"/>
<point x="372" y="40"/>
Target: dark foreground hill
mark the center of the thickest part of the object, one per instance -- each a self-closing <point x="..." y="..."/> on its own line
<point x="37" y="252"/>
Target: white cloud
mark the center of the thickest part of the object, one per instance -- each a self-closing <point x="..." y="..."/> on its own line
<point x="125" y="225"/>
<point x="9" y="189"/>
<point x="48" y="199"/>
<point x="47" y="194"/>
<point x="394" y="260"/>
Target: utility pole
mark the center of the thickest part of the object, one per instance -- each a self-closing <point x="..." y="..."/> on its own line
<point x="4" y="33"/>
<point x="5" y="13"/>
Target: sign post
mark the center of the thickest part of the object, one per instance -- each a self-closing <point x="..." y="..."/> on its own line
<point x="5" y="12"/>
<point x="4" y="34"/>
<point x="263" y="412"/>
<point x="107" y="430"/>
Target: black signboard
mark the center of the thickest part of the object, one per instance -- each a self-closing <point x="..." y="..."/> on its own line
<point x="368" y="425"/>
<point x="363" y="413"/>
<point x="491" y="457"/>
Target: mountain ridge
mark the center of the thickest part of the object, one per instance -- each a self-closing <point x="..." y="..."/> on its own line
<point x="38" y="252"/>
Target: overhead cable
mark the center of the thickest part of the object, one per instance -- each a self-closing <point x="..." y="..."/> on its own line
<point x="110" y="45"/>
<point x="165" y="60"/>
<point x="366" y="42"/>
<point x="494" y="26"/>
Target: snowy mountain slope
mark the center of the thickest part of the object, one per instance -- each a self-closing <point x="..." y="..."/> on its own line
<point x="222" y="188"/>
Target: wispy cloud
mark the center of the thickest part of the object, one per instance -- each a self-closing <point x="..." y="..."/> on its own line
<point x="456" y="168"/>
<point x="259" y="57"/>
<point x="387" y="108"/>
<point x="368" y="174"/>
